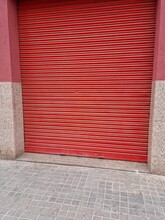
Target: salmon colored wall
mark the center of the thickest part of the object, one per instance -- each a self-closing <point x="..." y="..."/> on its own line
<point x="159" y="56"/>
<point x="9" y="46"/>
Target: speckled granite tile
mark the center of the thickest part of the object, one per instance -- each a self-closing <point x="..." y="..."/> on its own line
<point x="11" y="120"/>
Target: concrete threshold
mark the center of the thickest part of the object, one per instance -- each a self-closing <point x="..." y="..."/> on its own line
<point x="85" y="162"/>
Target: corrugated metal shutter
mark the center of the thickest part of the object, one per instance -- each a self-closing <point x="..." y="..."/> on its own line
<point x="86" y="74"/>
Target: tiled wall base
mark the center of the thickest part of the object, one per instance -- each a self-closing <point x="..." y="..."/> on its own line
<point x="11" y="120"/>
<point x="12" y="132"/>
<point x="157" y="129"/>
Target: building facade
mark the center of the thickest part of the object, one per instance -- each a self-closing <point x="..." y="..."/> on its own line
<point x="83" y="78"/>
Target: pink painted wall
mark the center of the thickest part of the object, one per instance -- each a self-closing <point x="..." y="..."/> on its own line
<point x="159" y="56"/>
<point x="14" y="40"/>
<point x="5" y="68"/>
<point x="9" y="46"/>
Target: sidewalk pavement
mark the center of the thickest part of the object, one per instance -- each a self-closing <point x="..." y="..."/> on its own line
<point x="37" y="191"/>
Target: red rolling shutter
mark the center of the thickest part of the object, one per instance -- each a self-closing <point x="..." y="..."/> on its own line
<point x="86" y="76"/>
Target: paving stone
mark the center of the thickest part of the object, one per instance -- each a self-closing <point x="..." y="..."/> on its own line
<point x="31" y="191"/>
